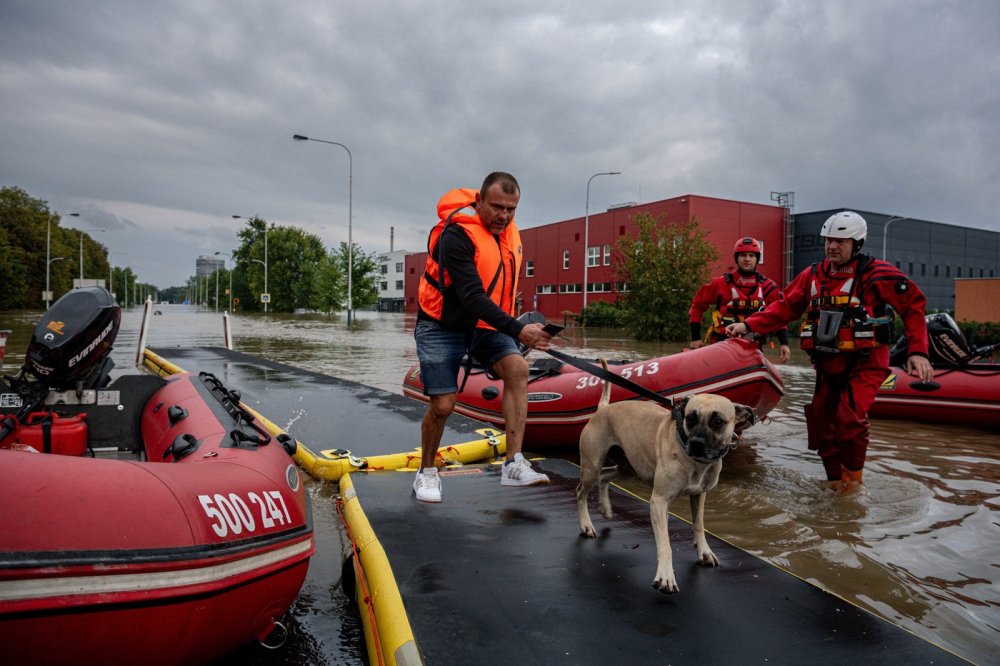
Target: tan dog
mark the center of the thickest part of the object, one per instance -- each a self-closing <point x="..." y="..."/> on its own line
<point x="680" y="453"/>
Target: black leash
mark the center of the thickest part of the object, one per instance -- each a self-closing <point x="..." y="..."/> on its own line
<point x="607" y="375"/>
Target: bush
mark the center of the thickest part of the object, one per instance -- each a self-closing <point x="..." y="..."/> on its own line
<point x="601" y="314"/>
<point x="980" y="333"/>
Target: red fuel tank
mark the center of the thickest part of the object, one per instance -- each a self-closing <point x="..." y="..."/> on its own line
<point x="51" y="433"/>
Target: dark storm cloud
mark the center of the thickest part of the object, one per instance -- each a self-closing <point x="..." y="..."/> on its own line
<point x="170" y="117"/>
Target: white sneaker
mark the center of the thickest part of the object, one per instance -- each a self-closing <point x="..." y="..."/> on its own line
<point x="427" y="485"/>
<point x="519" y="473"/>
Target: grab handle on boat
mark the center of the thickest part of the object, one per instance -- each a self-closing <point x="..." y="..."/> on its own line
<point x="289" y="444"/>
<point x="925" y="386"/>
<point x="175" y="414"/>
<point x="182" y="446"/>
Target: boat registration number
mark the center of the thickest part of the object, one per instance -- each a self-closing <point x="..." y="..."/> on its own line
<point x="232" y="514"/>
<point x="641" y="370"/>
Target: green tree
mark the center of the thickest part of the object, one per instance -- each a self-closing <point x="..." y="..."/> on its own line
<point x="663" y="268"/>
<point x="23" y="222"/>
<point x="294" y="262"/>
<point x="364" y="277"/>
<point x="331" y="286"/>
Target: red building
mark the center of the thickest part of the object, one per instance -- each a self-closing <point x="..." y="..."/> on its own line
<point x="554" y="255"/>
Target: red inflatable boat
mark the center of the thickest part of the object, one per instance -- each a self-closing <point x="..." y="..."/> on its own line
<point x="145" y="521"/>
<point x="969" y="395"/>
<point x="966" y="385"/>
<point x="562" y="398"/>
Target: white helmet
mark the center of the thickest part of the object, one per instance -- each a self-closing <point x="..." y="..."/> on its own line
<point x="846" y="224"/>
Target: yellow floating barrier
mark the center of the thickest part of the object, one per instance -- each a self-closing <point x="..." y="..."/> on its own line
<point x="332" y="464"/>
<point x="159" y="365"/>
<point x="388" y="635"/>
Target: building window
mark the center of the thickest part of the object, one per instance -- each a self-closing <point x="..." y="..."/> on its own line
<point x="923" y="270"/>
<point x="593" y="256"/>
<point x="399" y="267"/>
<point x="958" y="272"/>
<point x="569" y="289"/>
<point x="384" y="286"/>
<point x="937" y="273"/>
<point x="399" y="284"/>
<point x="544" y="289"/>
<point x="598" y="287"/>
<point x="910" y="272"/>
<point x="565" y="259"/>
<point x="529" y="268"/>
<point x="384" y="268"/>
<point x="607" y="255"/>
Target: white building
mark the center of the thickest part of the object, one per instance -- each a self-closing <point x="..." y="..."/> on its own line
<point x="391" y="297"/>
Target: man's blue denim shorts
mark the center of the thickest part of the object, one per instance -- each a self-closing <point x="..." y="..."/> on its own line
<point x="441" y="352"/>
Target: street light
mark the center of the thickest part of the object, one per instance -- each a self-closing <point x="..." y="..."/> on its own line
<point x="586" y="230"/>
<point x="885" y="230"/>
<point x="111" y="285"/>
<point x="240" y="217"/>
<point x="48" y="255"/>
<point x="81" y="253"/>
<point x="223" y="254"/>
<point x="350" y="239"/>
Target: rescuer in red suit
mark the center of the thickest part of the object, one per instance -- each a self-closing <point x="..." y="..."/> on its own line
<point x="848" y="299"/>
<point x="735" y="296"/>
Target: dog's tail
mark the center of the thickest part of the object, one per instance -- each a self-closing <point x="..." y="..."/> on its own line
<point x="606" y="393"/>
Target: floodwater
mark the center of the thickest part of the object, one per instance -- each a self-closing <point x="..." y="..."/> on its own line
<point x="921" y="547"/>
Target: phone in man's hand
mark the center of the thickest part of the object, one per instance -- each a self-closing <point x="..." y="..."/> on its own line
<point x="553" y="329"/>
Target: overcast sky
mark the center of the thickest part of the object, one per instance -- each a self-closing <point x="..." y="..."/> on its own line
<point x="158" y="121"/>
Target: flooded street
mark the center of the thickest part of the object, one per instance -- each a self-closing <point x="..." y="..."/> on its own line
<point x="921" y="547"/>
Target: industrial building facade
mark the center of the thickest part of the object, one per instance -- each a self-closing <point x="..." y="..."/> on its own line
<point x="934" y="254"/>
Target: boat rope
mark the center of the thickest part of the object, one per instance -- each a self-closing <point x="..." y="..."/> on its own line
<point x="360" y="580"/>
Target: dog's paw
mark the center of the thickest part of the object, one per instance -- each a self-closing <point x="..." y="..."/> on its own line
<point x="588" y="531"/>
<point x="666" y="584"/>
<point x="707" y="558"/>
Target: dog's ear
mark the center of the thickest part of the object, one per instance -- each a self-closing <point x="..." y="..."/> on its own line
<point x="680" y="404"/>
<point x="745" y="417"/>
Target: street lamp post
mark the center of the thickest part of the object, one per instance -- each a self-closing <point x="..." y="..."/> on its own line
<point x="350" y="218"/>
<point x="111" y="285"/>
<point x="586" y="230"/>
<point x="48" y="257"/>
<point x="81" y="254"/>
<point x="885" y="231"/>
<point x="240" y="217"/>
<point x="223" y="254"/>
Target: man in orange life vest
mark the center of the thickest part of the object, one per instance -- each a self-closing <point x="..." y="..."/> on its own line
<point x="735" y="296"/>
<point x="466" y="297"/>
<point x="848" y="299"/>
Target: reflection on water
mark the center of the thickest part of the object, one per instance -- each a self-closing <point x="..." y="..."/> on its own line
<point x="921" y="547"/>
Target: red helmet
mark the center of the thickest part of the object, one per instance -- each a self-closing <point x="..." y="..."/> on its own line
<point x="747" y="244"/>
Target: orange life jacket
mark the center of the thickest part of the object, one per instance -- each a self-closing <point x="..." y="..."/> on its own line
<point x="498" y="261"/>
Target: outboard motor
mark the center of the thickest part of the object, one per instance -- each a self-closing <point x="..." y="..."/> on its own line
<point x="69" y="350"/>
<point x="71" y="344"/>
<point x="947" y="345"/>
